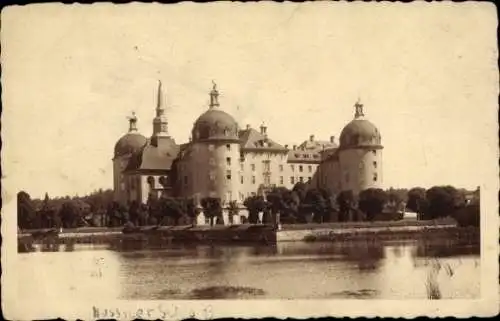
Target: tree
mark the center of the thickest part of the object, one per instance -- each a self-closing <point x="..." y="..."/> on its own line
<point x="345" y="201"/>
<point x="417" y="201"/>
<point x="372" y="201"/>
<point x="316" y="204"/>
<point x="330" y="205"/>
<point x="26" y="215"/>
<point x="212" y="209"/>
<point x="300" y="189"/>
<point x="70" y="214"/>
<point x="442" y="201"/>
<point x="397" y="198"/>
<point x="254" y="205"/>
<point x="468" y="215"/>
<point x="134" y="213"/>
<point x="171" y="210"/>
<point x="191" y="209"/>
<point x="233" y="210"/>
<point x="48" y="214"/>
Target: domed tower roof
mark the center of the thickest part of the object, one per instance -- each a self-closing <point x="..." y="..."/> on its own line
<point x="360" y="132"/>
<point x="215" y="124"/>
<point x="131" y="142"/>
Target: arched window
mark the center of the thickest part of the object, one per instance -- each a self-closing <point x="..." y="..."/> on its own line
<point x="151" y="181"/>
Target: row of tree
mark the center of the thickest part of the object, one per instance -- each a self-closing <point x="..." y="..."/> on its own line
<point x="278" y="205"/>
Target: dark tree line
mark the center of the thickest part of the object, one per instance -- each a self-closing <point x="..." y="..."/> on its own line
<point x="441" y="201"/>
<point x="278" y="205"/>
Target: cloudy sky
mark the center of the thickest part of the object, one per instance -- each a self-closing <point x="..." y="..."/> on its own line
<point x="426" y="73"/>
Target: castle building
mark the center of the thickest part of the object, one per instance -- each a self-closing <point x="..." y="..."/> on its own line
<point x="232" y="163"/>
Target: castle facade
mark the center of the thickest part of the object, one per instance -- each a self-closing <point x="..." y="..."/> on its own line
<point x="226" y="161"/>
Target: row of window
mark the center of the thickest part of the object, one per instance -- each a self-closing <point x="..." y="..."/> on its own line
<point x="211" y="147"/>
<point x="299" y="179"/>
<point x="346" y="177"/>
<point x="267" y="166"/>
<point x="301" y="168"/>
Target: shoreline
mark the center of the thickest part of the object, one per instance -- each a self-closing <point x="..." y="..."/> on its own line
<point x="258" y="234"/>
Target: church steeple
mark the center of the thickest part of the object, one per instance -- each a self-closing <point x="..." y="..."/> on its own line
<point x="160" y="123"/>
<point x="160" y="102"/>
<point x="358" y="109"/>
<point x="214" y="96"/>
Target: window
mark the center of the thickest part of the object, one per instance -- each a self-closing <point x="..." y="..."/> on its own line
<point x="228" y="161"/>
<point x="211" y="176"/>
<point x="301" y="168"/>
<point x="267" y="180"/>
<point x="267" y="166"/>
<point x="241" y="179"/>
<point x="228" y="147"/>
<point x="211" y="161"/>
<point x="281" y="168"/>
<point x="151" y="181"/>
<point x="301" y="179"/>
<point x="252" y="166"/>
<point x="309" y="179"/>
<point x="292" y="180"/>
<point x="281" y="180"/>
<point x="375" y="164"/>
<point x="374" y="152"/>
<point x="228" y="175"/>
<point x="185" y="180"/>
<point x="242" y="167"/>
<point x="375" y="177"/>
<point x="292" y="167"/>
<point x="253" y="179"/>
<point x="310" y="168"/>
<point x="211" y="147"/>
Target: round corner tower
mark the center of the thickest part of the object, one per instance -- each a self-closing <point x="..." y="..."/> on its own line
<point x="125" y="148"/>
<point x="215" y="153"/>
<point x="360" y="154"/>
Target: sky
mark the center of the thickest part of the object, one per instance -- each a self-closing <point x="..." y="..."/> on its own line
<point x="426" y="73"/>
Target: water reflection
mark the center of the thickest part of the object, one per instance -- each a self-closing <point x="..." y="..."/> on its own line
<point x="357" y="270"/>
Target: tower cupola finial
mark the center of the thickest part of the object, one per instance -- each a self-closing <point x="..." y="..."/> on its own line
<point x="132" y="120"/>
<point x="214" y="96"/>
<point x="358" y="109"/>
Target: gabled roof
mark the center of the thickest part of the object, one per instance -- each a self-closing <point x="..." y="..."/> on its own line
<point x="252" y="139"/>
<point x="154" y="158"/>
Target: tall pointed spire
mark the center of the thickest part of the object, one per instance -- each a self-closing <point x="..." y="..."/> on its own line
<point x="160" y="123"/>
<point x="132" y="120"/>
<point x="214" y="96"/>
<point x="160" y="101"/>
<point x="358" y="106"/>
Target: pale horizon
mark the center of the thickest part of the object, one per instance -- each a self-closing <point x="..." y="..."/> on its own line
<point x="428" y="80"/>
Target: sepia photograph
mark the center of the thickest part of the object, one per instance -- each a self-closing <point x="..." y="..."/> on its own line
<point x="249" y="159"/>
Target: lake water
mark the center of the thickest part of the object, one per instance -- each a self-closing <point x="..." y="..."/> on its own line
<point x="295" y="270"/>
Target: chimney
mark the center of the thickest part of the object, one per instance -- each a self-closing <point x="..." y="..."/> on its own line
<point x="248" y="126"/>
<point x="286" y="146"/>
<point x="294" y="147"/>
<point x="332" y="139"/>
<point x="311" y="138"/>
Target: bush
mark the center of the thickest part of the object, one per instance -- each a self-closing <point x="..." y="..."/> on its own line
<point x="468" y="215"/>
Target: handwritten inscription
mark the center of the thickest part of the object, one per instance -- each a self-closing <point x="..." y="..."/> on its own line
<point x="161" y="311"/>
